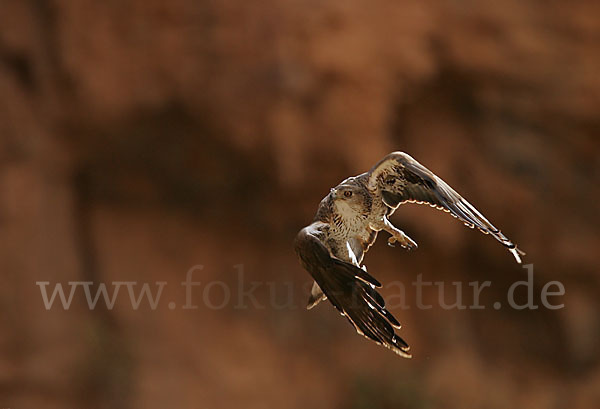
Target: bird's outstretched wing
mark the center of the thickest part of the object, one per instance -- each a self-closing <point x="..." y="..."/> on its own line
<point x="352" y="292"/>
<point x="402" y="179"/>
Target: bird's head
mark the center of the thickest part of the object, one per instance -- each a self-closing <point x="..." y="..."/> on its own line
<point x="349" y="197"/>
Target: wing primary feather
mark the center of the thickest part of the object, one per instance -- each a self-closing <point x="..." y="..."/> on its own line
<point x="420" y="185"/>
<point x="352" y="292"/>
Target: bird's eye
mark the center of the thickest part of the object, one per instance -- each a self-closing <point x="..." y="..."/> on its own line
<point x="390" y="180"/>
<point x="347" y="193"/>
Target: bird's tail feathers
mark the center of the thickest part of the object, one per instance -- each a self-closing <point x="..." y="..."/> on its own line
<point x="316" y="296"/>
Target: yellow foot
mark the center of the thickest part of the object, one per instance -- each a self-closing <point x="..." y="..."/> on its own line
<point x="405" y="241"/>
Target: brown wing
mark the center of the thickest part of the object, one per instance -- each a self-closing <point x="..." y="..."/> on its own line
<point x="404" y="180"/>
<point x="352" y="292"/>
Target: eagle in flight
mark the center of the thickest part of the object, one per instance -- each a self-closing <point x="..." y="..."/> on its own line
<point x="348" y="219"/>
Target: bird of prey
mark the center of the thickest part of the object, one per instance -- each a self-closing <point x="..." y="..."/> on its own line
<point x="347" y="222"/>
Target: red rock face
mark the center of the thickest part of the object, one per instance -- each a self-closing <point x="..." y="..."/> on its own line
<point x="139" y="139"/>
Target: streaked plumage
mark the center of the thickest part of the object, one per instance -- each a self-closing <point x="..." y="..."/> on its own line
<point x="348" y="219"/>
<point x="399" y="179"/>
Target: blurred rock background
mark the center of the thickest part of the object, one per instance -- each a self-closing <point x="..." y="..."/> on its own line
<point x="141" y="138"/>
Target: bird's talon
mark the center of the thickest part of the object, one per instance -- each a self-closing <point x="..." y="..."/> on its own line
<point x="410" y="244"/>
